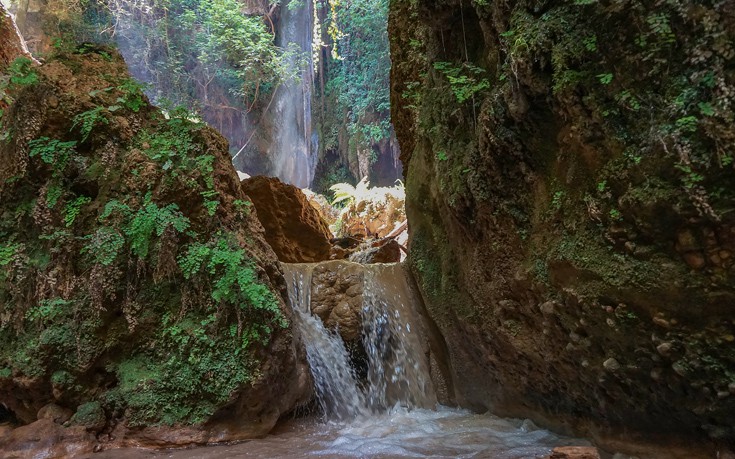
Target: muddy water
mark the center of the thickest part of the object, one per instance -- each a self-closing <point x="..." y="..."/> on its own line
<point x="441" y="433"/>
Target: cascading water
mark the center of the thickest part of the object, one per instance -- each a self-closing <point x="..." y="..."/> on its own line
<point x="336" y="386"/>
<point x="397" y="371"/>
<point x="393" y="414"/>
<point x="293" y="150"/>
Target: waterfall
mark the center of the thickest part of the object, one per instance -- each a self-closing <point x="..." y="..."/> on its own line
<point x="335" y="381"/>
<point x="293" y="150"/>
<point x="398" y="373"/>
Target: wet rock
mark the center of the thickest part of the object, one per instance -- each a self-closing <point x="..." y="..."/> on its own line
<point x="293" y="227"/>
<point x="380" y="251"/>
<point x="611" y="364"/>
<point x="575" y="452"/>
<point x="47" y="439"/>
<point x="336" y="297"/>
<point x="55" y="412"/>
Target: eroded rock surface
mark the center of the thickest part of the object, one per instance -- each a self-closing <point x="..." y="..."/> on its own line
<point x="293" y="227"/>
<point x="336" y="297"/>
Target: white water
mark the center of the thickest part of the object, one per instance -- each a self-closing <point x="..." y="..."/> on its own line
<point x="336" y="386"/>
<point x="398" y="370"/>
<point x="293" y="149"/>
<point x="398" y="373"/>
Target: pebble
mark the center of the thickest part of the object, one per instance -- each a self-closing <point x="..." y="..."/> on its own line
<point x="664" y="349"/>
<point x="723" y="394"/>
<point x="731" y="388"/>
<point x="611" y="364"/>
<point x="679" y="368"/>
<point x="547" y="308"/>
<point x="661" y="322"/>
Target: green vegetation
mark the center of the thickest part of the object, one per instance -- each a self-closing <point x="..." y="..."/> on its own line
<point x="125" y="259"/>
<point x="354" y="106"/>
<point x="465" y="81"/>
<point x="21" y="72"/>
<point x="87" y="121"/>
<point x="52" y="152"/>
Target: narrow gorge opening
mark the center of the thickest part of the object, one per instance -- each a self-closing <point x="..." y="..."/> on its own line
<point x="210" y="240"/>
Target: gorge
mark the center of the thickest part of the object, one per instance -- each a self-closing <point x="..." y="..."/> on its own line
<point x="568" y="185"/>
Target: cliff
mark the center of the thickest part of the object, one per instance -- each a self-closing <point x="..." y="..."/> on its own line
<point x="569" y="176"/>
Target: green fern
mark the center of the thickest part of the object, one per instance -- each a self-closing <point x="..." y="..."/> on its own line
<point x="88" y="120"/>
<point x="52" y="152"/>
<point x="236" y="281"/>
<point x="73" y="209"/>
<point x="104" y="245"/>
<point x="346" y="192"/>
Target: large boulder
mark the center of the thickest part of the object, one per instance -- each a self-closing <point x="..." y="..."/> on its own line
<point x="337" y="297"/>
<point x="293" y="227"/>
<point x="569" y="190"/>
<point x="136" y="286"/>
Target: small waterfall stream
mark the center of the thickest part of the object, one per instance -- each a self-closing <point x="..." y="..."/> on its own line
<point x="398" y="373"/>
<point x="393" y="414"/>
<point x="336" y="385"/>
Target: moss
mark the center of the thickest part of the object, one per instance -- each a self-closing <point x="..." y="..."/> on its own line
<point x="94" y="297"/>
<point x="89" y="414"/>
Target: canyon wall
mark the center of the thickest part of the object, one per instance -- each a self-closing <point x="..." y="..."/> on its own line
<point x="569" y="174"/>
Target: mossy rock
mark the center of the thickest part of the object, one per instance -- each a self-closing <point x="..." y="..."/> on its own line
<point x="133" y="277"/>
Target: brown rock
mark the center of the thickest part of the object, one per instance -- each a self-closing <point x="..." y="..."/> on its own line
<point x="575" y="452"/>
<point x="11" y="43"/>
<point x="336" y="297"/>
<point x="695" y="260"/>
<point x="381" y="251"/>
<point x="293" y="227"/>
<point x="56" y="413"/>
<point x="45" y="438"/>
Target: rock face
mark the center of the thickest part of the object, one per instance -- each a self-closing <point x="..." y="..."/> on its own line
<point x="293" y="227"/>
<point x="137" y="290"/>
<point x="336" y="297"/>
<point x="11" y="43"/>
<point x="569" y="202"/>
<point x="575" y="452"/>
